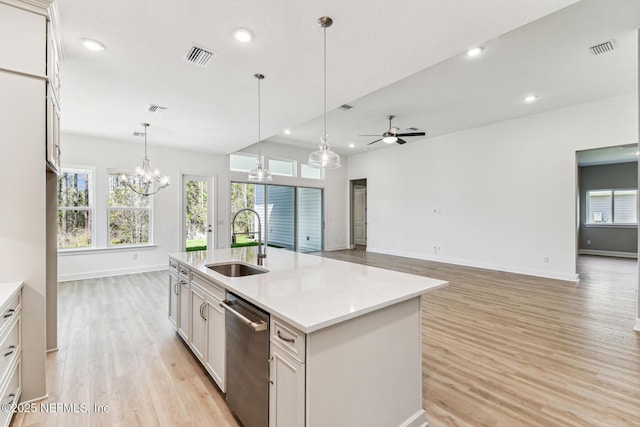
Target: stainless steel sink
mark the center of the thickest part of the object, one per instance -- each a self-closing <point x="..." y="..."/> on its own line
<point x="235" y="269"/>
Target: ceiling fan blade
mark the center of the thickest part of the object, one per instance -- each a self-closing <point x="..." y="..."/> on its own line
<point x="375" y="141"/>
<point x="401" y="141"/>
<point x="412" y="134"/>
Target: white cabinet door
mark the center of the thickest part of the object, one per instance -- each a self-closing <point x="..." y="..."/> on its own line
<point x="174" y="295"/>
<point x="216" y="343"/>
<point x="198" y="322"/>
<point x="287" y="393"/>
<point x="185" y="309"/>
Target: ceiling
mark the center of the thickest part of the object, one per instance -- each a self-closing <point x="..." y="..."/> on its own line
<point x="382" y="60"/>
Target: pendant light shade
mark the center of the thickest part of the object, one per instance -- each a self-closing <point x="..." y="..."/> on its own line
<point x="324" y="157"/>
<point x="145" y="181"/>
<point x="259" y="173"/>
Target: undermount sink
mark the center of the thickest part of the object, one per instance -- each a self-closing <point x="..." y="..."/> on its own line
<point x="235" y="269"/>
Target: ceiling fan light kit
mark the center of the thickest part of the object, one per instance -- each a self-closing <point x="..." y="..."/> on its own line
<point x="324" y="157"/>
<point x="260" y="173"/>
<point x="393" y="135"/>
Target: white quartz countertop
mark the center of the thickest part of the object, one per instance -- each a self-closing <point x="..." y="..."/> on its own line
<point x="308" y="291"/>
<point x="8" y="290"/>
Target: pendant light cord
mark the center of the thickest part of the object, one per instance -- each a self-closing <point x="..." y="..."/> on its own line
<point x="259" y="152"/>
<point x="325" y="85"/>
<point x="145" y="139"/>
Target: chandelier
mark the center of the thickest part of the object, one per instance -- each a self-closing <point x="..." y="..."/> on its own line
<point x="145" y="181"/>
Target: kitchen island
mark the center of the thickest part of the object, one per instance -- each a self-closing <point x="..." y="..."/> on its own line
<point x="344" y="338"/>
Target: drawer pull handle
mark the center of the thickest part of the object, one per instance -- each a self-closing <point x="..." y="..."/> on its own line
<point x="12" y="349"/>
<point x="285" y="339"/>
<point x="10" y="313"/>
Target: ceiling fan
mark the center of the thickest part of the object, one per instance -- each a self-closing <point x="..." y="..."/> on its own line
<point x="392" y="135"/>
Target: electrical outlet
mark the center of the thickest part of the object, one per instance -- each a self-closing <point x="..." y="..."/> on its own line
<point x="135" y="256"/>
<point x="545" y="260"/>
<point x="588" y="242"/>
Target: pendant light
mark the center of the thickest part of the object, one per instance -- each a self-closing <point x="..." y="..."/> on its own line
<point x="259" y="173"/>
<point x="145" y="182"/>
<point x="324" y="157"/>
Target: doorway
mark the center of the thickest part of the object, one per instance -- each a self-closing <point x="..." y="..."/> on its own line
<point x="197" y="213"/>
<point x="358" y="212"/>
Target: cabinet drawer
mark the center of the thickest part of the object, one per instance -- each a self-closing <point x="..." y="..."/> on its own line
<point x="184" y="272"/>
<point x="288" y="338"/>
<point x="11" y="395"/>
<point x="212" y="288"/>
<point x="9" y="312"/>
<point x="9" y="347"/>
<point x="173" y="266"/>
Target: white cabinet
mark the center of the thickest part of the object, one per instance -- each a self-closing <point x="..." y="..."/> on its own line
<point x="174" y="295"/>
<point x="10" y="349"/>
<point x="207" y="329"/>
<point x="216" y="341"/>
<point x="198" y="321"/>
<point x="184" y="309"/>
<point x="287" y="389"/>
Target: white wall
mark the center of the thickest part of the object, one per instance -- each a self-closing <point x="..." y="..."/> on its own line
<point x="106" y="155"/>
<point x="501" y="196"/>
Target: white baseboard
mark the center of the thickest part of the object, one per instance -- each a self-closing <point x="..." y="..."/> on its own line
<point x="109" y="273"/>
<point x="608" y="253"/>
<point x="419" y="419"/>
<point x="26" y="402"/>
<point x="487" y="266"/>
<point x="637" y="326"/>
<point x="337" y="248"/>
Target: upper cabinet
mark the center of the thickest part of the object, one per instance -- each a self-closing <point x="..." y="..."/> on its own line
<point x="27" y="53"/>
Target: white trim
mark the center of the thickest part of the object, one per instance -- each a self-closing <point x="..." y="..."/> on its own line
<point x="26" y="402"/>
<point x="40" y="7"/>
<point x="608" y="253"/>
<point x="110" y="273"/>
<point x="122" y="248"/>
<point x="419" y="419"/>
<point x="468" y="263"/>
<point x="637" y="326"/>
<point x="339" y="248"/>
<point x="51" y="350"/>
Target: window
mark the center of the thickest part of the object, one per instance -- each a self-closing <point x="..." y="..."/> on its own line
<point x="75" y="208"/>
<point x="307" y="171"/>
<point x="129" y="215"/>
<point x="282" y="167"/>
<point x="242" y="162"/>
<point x="612" y="207"/>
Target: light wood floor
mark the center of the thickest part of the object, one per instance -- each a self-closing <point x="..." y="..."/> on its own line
<point x="499" y="349"/>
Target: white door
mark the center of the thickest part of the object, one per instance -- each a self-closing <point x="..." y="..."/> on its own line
<point x="360" y="215"/>
<point x="197" y="212"/>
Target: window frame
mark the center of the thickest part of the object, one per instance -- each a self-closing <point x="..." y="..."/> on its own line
<point x="254" y="158"/>
<point x="126" y="208"/>
<point x="293" y="163"/>
<point x="91" y="178"/>
<point x="612" y="223"/>
<point x="321" y="171"/>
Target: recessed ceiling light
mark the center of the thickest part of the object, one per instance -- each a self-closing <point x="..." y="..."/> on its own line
<point x="530" y="98"/>
<point x="287" y="131"/>
<point x="243" y="35"/>
<point x="352" y="145"/>
<point x="92" y="44"/>
<point x="475" y="51"/>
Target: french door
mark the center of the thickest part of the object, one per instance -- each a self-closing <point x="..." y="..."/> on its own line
<point x="197" y="212"/>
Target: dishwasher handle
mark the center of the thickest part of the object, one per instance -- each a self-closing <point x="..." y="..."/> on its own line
<point x="256" y="326"/>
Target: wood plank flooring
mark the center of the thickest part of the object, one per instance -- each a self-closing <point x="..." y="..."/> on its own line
<point x="499" y="349"/>
<point x="502" y="349"/>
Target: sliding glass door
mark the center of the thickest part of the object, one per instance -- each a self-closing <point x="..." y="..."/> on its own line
<point x="293" y="216"/>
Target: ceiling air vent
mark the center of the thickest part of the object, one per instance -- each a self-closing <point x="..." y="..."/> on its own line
<point x="138" y="133"/>
<point x="199" y="56"/>
<point x="152" y="108"/>
<point x="601" y="48"/>
<point x="345" y="107"/>
<point x="412" y="129"/>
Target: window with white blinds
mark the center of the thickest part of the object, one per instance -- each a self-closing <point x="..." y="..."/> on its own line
<point x="612" y="207"/>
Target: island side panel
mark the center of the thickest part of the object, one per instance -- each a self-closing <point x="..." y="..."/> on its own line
<point x="367" y="371"/>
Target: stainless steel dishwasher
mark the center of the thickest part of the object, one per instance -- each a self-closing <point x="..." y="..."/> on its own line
<point x="247" y="331"/>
